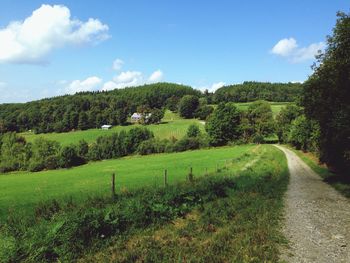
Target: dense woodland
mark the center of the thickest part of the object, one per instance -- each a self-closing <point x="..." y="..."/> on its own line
<point x="252" y="91"/>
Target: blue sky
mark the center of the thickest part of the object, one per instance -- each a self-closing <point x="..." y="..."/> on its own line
<point x="52" y="48"/>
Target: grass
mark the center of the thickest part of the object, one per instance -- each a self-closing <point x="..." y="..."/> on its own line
<point x="21" y="191"/>
<point x="340" y="182"/>
<point x="276" y="107"/>
<point x="232" y="215"/>
<point x="172" y="126"/>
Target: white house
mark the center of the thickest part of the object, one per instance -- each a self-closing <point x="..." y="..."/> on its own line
<point x="137" y="117"/>
<point x="106" y="127"/>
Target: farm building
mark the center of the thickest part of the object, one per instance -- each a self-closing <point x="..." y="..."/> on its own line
<point x="137" y="117"/>
<point x="106" y="127"/>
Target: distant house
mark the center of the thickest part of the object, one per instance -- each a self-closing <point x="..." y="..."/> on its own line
<point x="137" y="117"/>
<point x="106" y="127"/>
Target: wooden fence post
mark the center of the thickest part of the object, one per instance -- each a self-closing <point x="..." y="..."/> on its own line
<point x="113" y="185"/>
<point x="165" y="177"/>
<point x="190" y="175"/>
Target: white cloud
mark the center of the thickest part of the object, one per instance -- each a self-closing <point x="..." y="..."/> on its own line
<point x="216" y="86"/>
<point x="285" y="47"/>
<point x="3" y="84"/>
<point x="117" y="64"/>
<point x="289" y="48"/>
<point x="213" y="87"/>
<point x="48" y="27"/>
<point x="131" y="79"/>
<point x="89" y="84"/>
<point x="156" y="76"/>
<point x="308" y="52"/>
<point x="124" y="79"/>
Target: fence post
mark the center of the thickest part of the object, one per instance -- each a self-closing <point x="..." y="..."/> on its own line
<point x="113" y="185"/>
<point x="190" y="175"/>
<point x="165" y="177"/>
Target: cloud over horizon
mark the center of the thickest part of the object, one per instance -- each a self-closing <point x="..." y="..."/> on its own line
<point x="89" y="84"/>
<point x="131" y="79"/>
<point x="49" y="27"/>
<point x="289" y="48"/>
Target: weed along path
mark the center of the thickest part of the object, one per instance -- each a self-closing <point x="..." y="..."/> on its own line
<point x="317" y="218"/>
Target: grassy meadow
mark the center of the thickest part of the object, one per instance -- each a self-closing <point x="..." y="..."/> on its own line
<point x="21" y="191"/>
<point x="172" y="126"/>
<point x="276" y="107"/>
<point x="231" y="215"/>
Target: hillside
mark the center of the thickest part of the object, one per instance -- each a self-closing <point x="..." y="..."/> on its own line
<point x="88" y="109"/>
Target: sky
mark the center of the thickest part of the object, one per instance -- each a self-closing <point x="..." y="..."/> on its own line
<point x="53" y="48"/>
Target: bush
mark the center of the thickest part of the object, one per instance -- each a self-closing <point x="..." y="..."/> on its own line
<point x="193" y="131"/>
<point x="69" y="157"/>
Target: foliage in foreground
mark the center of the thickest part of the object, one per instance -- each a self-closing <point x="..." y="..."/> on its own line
<point x="237" y="219"/>
<point x="326" y="97"/>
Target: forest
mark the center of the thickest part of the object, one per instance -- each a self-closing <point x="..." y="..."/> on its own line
<point x="252" y="90"/>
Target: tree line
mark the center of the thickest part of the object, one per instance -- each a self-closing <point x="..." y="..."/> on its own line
<point x="252" y="91"/>
<point x="327" y="97"/>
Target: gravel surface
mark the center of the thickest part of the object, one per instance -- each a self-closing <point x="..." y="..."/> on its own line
<point x="317" y="218"/>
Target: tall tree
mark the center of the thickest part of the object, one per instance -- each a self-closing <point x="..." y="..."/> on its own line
<point x="223" y="124"/>
<point x="327" y="93"/>
<point x="188" y="106"/>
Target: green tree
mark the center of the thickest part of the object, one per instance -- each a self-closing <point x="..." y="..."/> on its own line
<point x="44" y="155"/>
<point x="304" y="134"/>
<point x="284" y="121"/>
<point x="326" y="96"/>
<point x="14" y="153"/>
<point x="223" y="125"/>
<point x="193" y="131"/>
<point x="156" y="116"/>
<point x="260" y="119"/>
<point x="83" y="122"/>
<point x="83" y="149"/>
<point x="69" y="157"/>
<point x="188" y="106"/>
<point x="204" y="111"/>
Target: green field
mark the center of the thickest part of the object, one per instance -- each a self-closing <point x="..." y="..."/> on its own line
<point x="276" y="107"/>
<point x="172" y="126"/>
<point x="21" y="191"/>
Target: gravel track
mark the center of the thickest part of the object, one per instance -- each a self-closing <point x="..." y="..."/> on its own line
<point x="317" y="217"/>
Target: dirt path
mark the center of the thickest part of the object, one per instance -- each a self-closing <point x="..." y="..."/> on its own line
<point x="317" y="218"/>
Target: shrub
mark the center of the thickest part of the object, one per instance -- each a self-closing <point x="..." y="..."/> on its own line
<point x="193" y="131"/>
